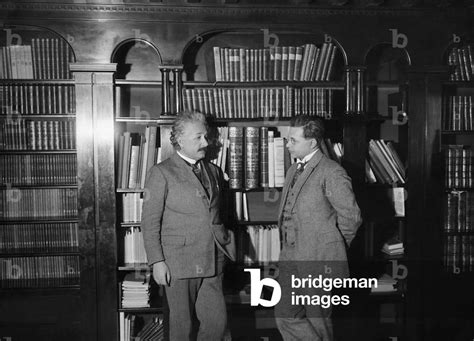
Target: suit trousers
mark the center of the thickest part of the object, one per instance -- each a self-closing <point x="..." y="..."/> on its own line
<point x="299" y="321"/>
<point x="197" y="298"/>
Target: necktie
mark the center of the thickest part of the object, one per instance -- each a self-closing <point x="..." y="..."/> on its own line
<point x="201" y="176"/>
<point x="298" y="172"/>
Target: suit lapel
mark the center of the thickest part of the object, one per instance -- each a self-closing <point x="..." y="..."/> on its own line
<point x="286" y="188"/>
<point x="312" y="164"/>
<point x="211" y="180"/>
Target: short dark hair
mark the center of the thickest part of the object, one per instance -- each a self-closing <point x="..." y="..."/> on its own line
<point x="182" y="118"/>
<point x="313" y="127"/>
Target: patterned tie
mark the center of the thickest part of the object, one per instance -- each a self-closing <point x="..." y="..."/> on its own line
<point x="298" y="172"/>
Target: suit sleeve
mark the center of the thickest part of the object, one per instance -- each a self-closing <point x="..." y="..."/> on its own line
<point x="339" y="192"/>
<point x="153" y="206"/>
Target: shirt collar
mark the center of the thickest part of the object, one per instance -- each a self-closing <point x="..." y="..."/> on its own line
<point x="307" y="157"/>
<point x="187" y="159"/>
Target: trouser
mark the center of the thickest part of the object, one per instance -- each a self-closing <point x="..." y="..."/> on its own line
<point x="296" y="319"/>
<point x="200" y="298"/>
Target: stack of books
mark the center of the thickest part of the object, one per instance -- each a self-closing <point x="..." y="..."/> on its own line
<point x="136" y="290"/>
<point x="385" y="284"/>
<point x="393" y="247"/>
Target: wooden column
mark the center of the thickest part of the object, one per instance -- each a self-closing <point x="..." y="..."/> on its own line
<point x="96" y="181"/>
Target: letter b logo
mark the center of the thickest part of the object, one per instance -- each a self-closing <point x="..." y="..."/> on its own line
<point x="256" y="286"/>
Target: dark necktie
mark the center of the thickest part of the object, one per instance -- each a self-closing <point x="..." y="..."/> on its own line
<point x="201" y="176"/>
<point x="298" y="172"/>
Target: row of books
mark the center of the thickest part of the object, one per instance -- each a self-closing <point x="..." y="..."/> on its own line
<point x="459" y="253"/>
<point x="279" y="63"/>
<point x="132" y="204"/>
<point x="268" y="102"/>
<point x="137" y="154"/>
<point x="39" y="271"/>
<point x="32" y="99"/>
<point x="22" y="134"/>
<point x="459" y="114"/>
<point x="44" y="58"/>
<point x="256" y="158"/>
<point x="459" y="172"/>
<point x="384" y="165"/>
<point x="134" y="247"/>
<point x="462" y="61"/>
<point x="47" y="237"/>
<point x="41" y="203"/>
<point x="258" y="244"/>
<point x="136" y="290"/>
<point x="38" y="169"/>
<point x="459" y="211"/>
<point x="151" y="331"/>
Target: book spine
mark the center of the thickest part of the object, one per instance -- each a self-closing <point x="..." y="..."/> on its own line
<point x="251" y="157"/>
<point x="236" y="157"/>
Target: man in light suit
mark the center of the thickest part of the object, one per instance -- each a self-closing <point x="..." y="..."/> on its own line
<point x="185" y="239"/>
<point x="318" y="218"/>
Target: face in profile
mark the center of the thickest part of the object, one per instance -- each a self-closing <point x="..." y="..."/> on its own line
<point x="193" y="140"/>
<point x="298" y="145"/>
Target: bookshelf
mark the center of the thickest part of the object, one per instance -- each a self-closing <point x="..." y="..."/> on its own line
<point x="41" y="243"/>
<point x="139" y="133"/>
<point x="452" y="170"/>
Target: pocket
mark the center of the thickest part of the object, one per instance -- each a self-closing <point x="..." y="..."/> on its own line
<point x="173" y="240"/>
<point x="330" y="237"/>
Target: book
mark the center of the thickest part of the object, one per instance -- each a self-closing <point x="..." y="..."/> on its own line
<point x="251" y="158"/>
<point x="263" y="157"/>
<point x="236" y="157"/>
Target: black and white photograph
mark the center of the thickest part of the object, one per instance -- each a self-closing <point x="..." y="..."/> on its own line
<point x="236" y="170"/>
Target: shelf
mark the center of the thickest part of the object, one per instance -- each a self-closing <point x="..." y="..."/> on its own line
<point x="457" y="132"/>
<point x="257" y="222"/>
<point x="52" y="290"/>
<point x="39" y="221"/>
<point x="137" y="82"/>
<point x="460" y="84"/>
<point x="40" y="254"/>
<point x="326" y="85"/>
<point x="383" y="257"/>
<point x="450" y="189"/>
<point x="130" y="224"/>
<point x="17" y="116"/>
<point x="139" y="267"/>
<point x="383" y="185"/>
<point x="130" y="190"/>
<point x="141" y="310"/>
<point x="157" y="121"/>
<point x="258" y="189"/>
<point x="394" y="295"/>
<point x="37" y="81"/>
<point x="459" y="233"/>
<point x="36" y="151"/>
<point x="38" y="186"/>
